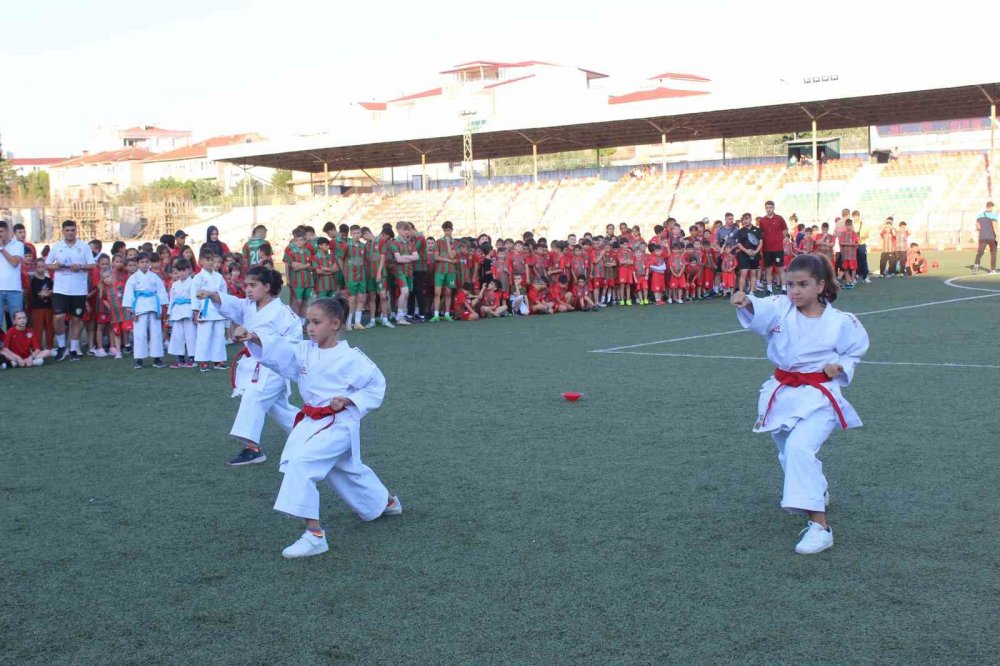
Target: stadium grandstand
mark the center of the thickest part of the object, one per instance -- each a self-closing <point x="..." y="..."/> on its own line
<point x="475" y="117"/>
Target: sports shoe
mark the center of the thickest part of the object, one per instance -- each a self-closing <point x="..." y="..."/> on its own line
<point x="394" y="507"/>
<point x="370" y="324"/>
<point x="975" y="268"/>
<point x="388" y="324"/>
<point x="203" y="367"/>
<point x="248" y="457"/>
<point x="435" y="319"/>
<point x="401" y="321"/>
<point x="308" y="545"/>
<point x="100" y="353"/>
<point x="994" y="272"/>
<point x="63" y="353"/>
<point x="118" y="355"/>
<point x="74" y="356"/>
<point x="138" y="365"/>
<point x="868" y="280"/>
<point x="178" y="364"/>
<point x="348" y="327"/>
<point x="447" y="317"/>
<point x="826" y="497"/>
<point x="190" y="364"/>
<point x="93" y="351"/>
<point x="158" y="363"/>
<point x="815" y="539"/>
<point x="220" y="366"/>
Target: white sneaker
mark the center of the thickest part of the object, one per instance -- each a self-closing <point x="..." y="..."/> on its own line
<point x="100" y="353"/>
<point x="814" y="539"/>
<point x="826" y="497"/>
<point x="388" y="324"/>
<point x="868" y="281"/>
<point x="394" y="508"/>
<point x="370" y="324"/>
<point x="401" y="321"/>
<point x="308" y="545"/>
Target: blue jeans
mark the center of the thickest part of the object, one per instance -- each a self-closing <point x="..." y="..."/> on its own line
<point x="863" y="269"/>
<point x="11" y="302"/>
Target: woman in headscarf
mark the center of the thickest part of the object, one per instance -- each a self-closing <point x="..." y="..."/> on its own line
<point x="212" y="241"/>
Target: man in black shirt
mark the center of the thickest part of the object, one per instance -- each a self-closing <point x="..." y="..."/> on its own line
<point x="748" y="245"/>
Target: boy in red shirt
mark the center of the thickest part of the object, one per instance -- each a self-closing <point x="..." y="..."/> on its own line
<point x="728" y="273"/>
<point x="490" y="304"/>
<point x="537" y="298"/>
<point x="641" y="262"/>
<point x="693" y="272"/>
<point x="465" y="303"/>
<point x="848" y="254"/>
<point x="20" y="346"/>
<point x="678" y="284"/>
<point x="581" y="295"/>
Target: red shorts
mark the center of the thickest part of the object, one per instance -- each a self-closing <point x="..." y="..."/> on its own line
<point x="788" y="260"/>
<point x="121" y="328"/>
<point x="658" y="283"/>
<point x="729" y="280"/>
<point x="642" y="283"/>
<point x="707" y="278"/>
<point x="103" y="318"/>
<point x="503" y="296"/>
<point x="611" y="280"/>
<point x="678" y="282"/>
<point x="596" y="283"/>
<point x="464" y="316"/>
<point x="626" y="276"/>
<point x="849" y="264"/>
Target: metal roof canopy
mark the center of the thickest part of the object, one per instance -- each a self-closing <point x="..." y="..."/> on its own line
<point x="882" y="109"/>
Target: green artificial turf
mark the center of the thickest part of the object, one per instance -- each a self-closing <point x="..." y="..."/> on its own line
<point x="638" y="525"/>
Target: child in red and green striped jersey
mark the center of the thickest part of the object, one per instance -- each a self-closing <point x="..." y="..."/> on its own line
<point x="298" y="262"/>
<point x="401" y="250"/>
<point x="444" y="274"/>
<point x="376" y="282"/>
<point x="354" y="267"/>
<point x="324" y="267"/>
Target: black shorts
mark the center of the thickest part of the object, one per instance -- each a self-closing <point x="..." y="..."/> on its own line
<point x="745" y="262"/>
<point x="774" y="259"/>
<point x="71" y="305"/>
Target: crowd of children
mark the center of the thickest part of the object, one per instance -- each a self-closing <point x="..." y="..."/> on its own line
<point x="144" y="301"/>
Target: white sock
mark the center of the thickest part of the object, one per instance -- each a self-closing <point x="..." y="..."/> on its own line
<point x="437" y="314"/>
<point x="74" y="345"/>
<point x="357" y="317"/>
<point x="60" y="341"/>
<point x="385" y="319"/>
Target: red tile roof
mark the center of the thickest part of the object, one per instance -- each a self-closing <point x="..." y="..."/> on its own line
<point x="465" y="66"/>
<point x="107" y="157"/>
<point x="149" y="131"/>
<point x="200" y="149"/>
<point x="427" y="93"/>
<point x="373" y="106"/>
<point x="503" y="83"/>
<point x="655" y="93"/>
<point x="679" y="77"/>
<point x="35" y="161"/>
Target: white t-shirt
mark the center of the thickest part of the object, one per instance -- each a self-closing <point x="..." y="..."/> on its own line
<point x="10" y="276"/>
<point x="65" y="281"/>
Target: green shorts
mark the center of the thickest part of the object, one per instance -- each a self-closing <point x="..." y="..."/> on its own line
<point x="325" y="294"/>
<point x="338" y="280"/>
<point x="302" y="293"/>
<point x="373" y="286"/>
<point x="355" y="288"/>
<point x="404" y="281"/>
<point x="444" y="280"/>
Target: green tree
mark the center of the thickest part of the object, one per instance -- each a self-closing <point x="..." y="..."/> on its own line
<point x="281" y="179"/>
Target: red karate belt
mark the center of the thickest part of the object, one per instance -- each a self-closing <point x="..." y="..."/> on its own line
<point x="814" y="379"/>
<point x="315" y="413"/>
<point x="232" y="369"/>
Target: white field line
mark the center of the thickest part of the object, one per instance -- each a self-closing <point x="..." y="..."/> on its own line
<point x="949" y="282"/>
<point x="762" y="358"/>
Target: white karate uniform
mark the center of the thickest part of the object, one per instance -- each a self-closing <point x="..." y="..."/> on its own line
<point x="263" y="390"/>
<point x="327" y="448"/>
<point x="210" y="346"/>
<point x="801" y="418"/>
<point x="182" y="332"/>
<point x="144" y="294"/>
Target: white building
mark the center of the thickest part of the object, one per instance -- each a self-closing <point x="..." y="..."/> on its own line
<point x="192" y="163"/>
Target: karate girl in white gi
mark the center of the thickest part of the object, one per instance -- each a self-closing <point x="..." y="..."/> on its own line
<point x="210" y="346"/>
<point x="339" y="386"/>
<point x="815" y="349"/>
<point x="261" y="390"/>
<point x="182" y="331"/>
<point x="144" y="296"/>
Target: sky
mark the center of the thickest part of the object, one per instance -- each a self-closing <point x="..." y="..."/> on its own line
<point x="229" y="66"/>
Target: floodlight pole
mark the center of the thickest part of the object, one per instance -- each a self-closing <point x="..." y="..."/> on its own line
<point x="993" y="155"/>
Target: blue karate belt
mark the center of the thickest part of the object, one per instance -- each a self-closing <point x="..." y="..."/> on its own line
<point x="179" y="301"/>
<point x="146" y="294"/>
<point x="204" y="308"/>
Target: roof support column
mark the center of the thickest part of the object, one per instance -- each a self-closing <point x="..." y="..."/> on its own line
<point x="423" y="172"/>
<point x="534" y="163"/>
<point x="815" y="175"/>
<point x="326" y="179"/>
<point x="663" y="164"/>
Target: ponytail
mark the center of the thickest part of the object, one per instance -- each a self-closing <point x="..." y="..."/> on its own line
<point x="819" y="267"/>
<point x="268" y="276"/>
<point x="335" y="307"/>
